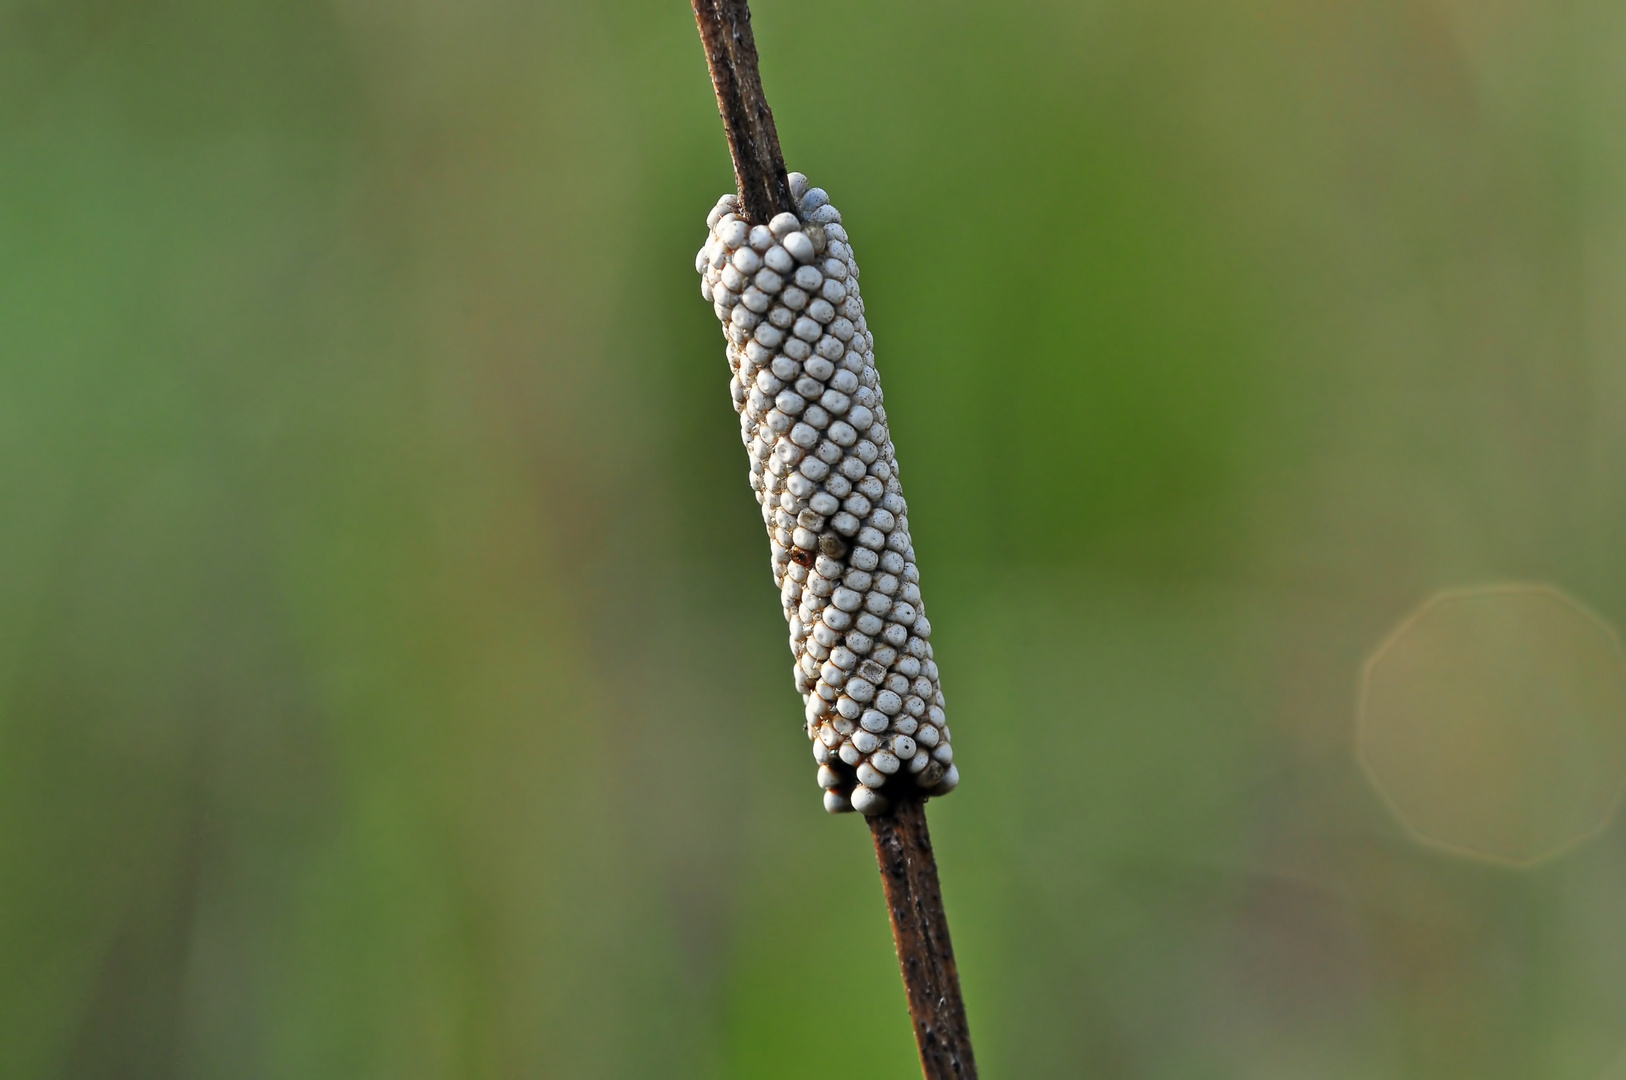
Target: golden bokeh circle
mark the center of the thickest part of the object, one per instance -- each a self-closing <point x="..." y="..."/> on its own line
<point x="1492" y="721"/>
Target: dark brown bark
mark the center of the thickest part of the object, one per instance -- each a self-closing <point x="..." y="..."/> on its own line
<point x="759" y="164"/>
<point x="903" y="847"/>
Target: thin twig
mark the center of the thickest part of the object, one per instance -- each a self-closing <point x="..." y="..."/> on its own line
<point x="903" y="846"/>
<point x="759" y="164"/>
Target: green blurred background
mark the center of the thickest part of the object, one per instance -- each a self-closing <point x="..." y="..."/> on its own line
<point x="391" y="679"/>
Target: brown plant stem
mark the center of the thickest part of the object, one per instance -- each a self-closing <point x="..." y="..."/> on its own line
<point x="914" y="899"/>
<point x="903" y="845"/>
<point x="731" y="51"/>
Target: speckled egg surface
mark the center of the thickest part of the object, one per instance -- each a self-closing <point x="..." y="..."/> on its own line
<point x="826" y="475"/>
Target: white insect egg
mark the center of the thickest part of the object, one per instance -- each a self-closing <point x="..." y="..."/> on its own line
<point x="820" y="368"/>
<point x="778" y="260"/>
<point x="847" y="599"/>
<point x="865" y="800"/>
<point x="824" y="471"/>
<point x="798" y="244"/>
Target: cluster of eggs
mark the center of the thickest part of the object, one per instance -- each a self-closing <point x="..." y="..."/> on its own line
<point x="825" y="473"/>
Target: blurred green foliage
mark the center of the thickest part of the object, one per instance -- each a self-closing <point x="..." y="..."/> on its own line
<point x="391" y="682"/>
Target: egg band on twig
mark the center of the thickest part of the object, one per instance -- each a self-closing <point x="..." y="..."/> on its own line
<point x="826" y="476"/>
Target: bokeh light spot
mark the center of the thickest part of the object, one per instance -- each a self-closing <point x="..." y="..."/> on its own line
<point x="1493" y="722"/>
